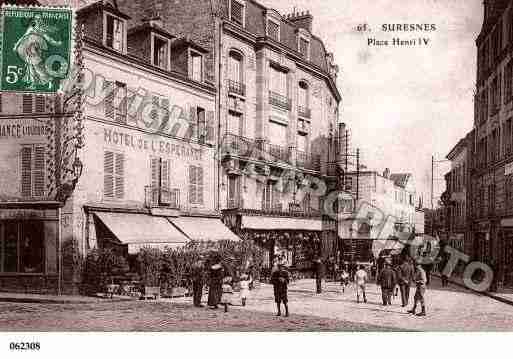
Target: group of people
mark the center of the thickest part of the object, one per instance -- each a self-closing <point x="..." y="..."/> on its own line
<point x="389" y="279"/>
<point x="220" y="285"/>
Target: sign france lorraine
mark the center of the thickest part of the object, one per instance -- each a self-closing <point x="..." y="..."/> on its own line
<point x="35" y="48"/>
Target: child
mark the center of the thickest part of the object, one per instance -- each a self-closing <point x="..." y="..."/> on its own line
<point x="226" y="297"/>
<point x="245" y="280"/>
<point x="344" y="279"/>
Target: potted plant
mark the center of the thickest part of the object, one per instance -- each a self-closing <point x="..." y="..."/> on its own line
<point x="150" y="264"/>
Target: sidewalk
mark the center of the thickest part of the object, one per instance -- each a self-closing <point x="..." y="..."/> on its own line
<point x="506" y="298"/>
<point x="55" y="299"/>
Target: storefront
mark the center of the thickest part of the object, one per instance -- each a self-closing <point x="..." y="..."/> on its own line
<point x="506" y="236"/>
<point x="29" y="247"/>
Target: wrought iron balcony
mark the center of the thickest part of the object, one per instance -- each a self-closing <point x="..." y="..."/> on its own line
<point x="234" y="203"/>
<point x="279" y="153"/>
<point x="280" y="101"/>
<point x="304" y="112"/>
<point x="156" y="197"/>
<point x="236" y="88"/>
<point x="308" y="161"/>
<point x="238" y="145"/>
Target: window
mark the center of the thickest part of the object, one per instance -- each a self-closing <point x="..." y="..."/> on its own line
<point x="160" y="52"/>
<point x="33" y="104"/>
<point x="32" y="159"/>
<point x="1" y="110"/>
<point x="22" y="246"/>
<point x="27" y="104"/>
<point x="195" y="185"/>
<point x="235" y="74"/>
<point x="508" y="137"/>
<point x="237" y="12"/>
<point x="277" y="134"/>
<point x="202" y="124"/>
<point x="114" y="175"/>
<point x="509" y="193"/>
<point x="273" y="30"/>
<point x="302" y="143"/>
<point x="160" y="183"/>
<point x="196" y="66"/>
<point x="114" y="33"/>
<point x="304" y="47"/>
<point x="234" y="192"/>
<point x="271" y="197"/>
<point x="278" y="81"/>
<point x="115" y="101"/>
<point x="234" y="123"/>
<point x="508" y="80"/>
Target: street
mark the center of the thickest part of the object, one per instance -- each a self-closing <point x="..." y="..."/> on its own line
<point x="449" y="309"/>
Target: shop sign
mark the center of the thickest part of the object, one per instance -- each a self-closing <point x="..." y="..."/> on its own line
<point x="12" y="129"/>
<point x="28" y="214"/>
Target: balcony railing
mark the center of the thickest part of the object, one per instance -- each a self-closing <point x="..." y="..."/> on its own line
<point x="156" y="197"/>
<point x="238" y="145"/>
<point x="237" y="88"/>
<point x="308" y="161"/>
<point x="279" y="152"/>
<point x="304" y="112"/>
<point x="234" y="203"/>
<point x="281" y="101"/>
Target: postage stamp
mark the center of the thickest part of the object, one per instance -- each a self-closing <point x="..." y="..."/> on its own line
<point x="35" y="48"/>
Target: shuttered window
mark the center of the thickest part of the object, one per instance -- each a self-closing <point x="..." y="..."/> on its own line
<point x="195" y="185"/>
<point x="40" y="104"/>
<point x="114" y="175"/>
<point x="160" y="180"/>
<point x="304" y="47"/>
<point x="202" y="124"/>
<point x="273" y="30"/>
<point x="27" y="104"/>
<point x="116" y="101"/>
<point x="237" y="12"/>
<point x="108" y="87"/>
<point x="32" y="160"/>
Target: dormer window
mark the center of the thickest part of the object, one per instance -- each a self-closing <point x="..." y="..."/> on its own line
<point x="304" y="47"/>
<point x="196" y="66"/>
<point x="160" y="52"/>
<point x="237" y="12"/>
<point x="114" y="34"/>
<point x="273" y="29"/>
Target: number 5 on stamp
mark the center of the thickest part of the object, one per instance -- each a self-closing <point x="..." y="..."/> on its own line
<point x="36" y="49"/>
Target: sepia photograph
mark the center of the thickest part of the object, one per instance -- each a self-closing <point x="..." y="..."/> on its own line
<point x="255" y="166"/>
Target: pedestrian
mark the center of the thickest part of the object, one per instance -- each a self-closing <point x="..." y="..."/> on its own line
<point x="395" y="290"/>
<point x="280" y="279"/>
<point x="344" y="279"/>
<point x="318" y="275"/>
<point x="226" y="297"/>
<point x="405" y="277"/>
<point x="244" y="283"/>
<point x="215" y="285"/>
<point x="197" y="281"/>
<point x="387" y="280"/>
<point x="420" y="283"/>
<point x="360" y="278"/>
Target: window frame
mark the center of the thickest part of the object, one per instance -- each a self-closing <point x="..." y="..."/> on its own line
<point x="278" y="25"/>
<point x="115" y="175"/>
<point x="158" y="37"/>
<point x="198" y="187"/>
<point x="193" y="53"/>
<point x="243" y="4"/>
<point x="308" y="48"/>
<point x="123" y="49"/>
<point x="33" y="171"/>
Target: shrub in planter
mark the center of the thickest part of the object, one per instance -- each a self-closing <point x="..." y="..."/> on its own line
<point x="149" y="262"/>
<point x="100" y="268"/>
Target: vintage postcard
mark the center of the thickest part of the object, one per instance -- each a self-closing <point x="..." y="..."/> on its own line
<point x="256" y="166"/>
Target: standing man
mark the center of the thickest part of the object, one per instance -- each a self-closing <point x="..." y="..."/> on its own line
<point x="197" y="281"/>
<point x="387" y="280"/>
<point x="360" y="279"/>
<point x="420" y="282"/>
<point x="280" y="279"/>
<point x="405" y="277"/>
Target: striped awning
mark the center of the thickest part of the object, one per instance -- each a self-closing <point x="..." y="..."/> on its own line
<point x="203" y="229"/>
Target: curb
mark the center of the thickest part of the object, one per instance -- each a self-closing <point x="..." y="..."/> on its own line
<point x="485" y="294"/>
<point x="37" y="300"/>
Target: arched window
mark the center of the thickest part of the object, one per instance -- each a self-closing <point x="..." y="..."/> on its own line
<point x="236" y="73"/>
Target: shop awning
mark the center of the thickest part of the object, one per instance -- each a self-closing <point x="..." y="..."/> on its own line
<point x="390" y="247"/>
<point x="204" y="229"/>
<point x="142" y="230"/>
<point x="281" y="223"/>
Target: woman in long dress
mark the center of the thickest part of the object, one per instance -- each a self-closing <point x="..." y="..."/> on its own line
<point x="215" y="285"/>
<point x="31" y="47"/>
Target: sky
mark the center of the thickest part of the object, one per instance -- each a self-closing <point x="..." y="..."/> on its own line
<point x="402" y="104"/>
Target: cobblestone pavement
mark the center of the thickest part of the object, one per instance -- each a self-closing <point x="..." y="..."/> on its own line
<point x="448" y="310"/>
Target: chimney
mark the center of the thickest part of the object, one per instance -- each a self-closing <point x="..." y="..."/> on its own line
<point x="301" y="20"/>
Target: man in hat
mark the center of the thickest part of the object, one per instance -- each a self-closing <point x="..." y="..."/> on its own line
<point x="197" y="281"/>
<point x="420" y="282"/>
<point x="386" y="281"/>
<point x="280" y="279"/>
<point x="405" y="276"/>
